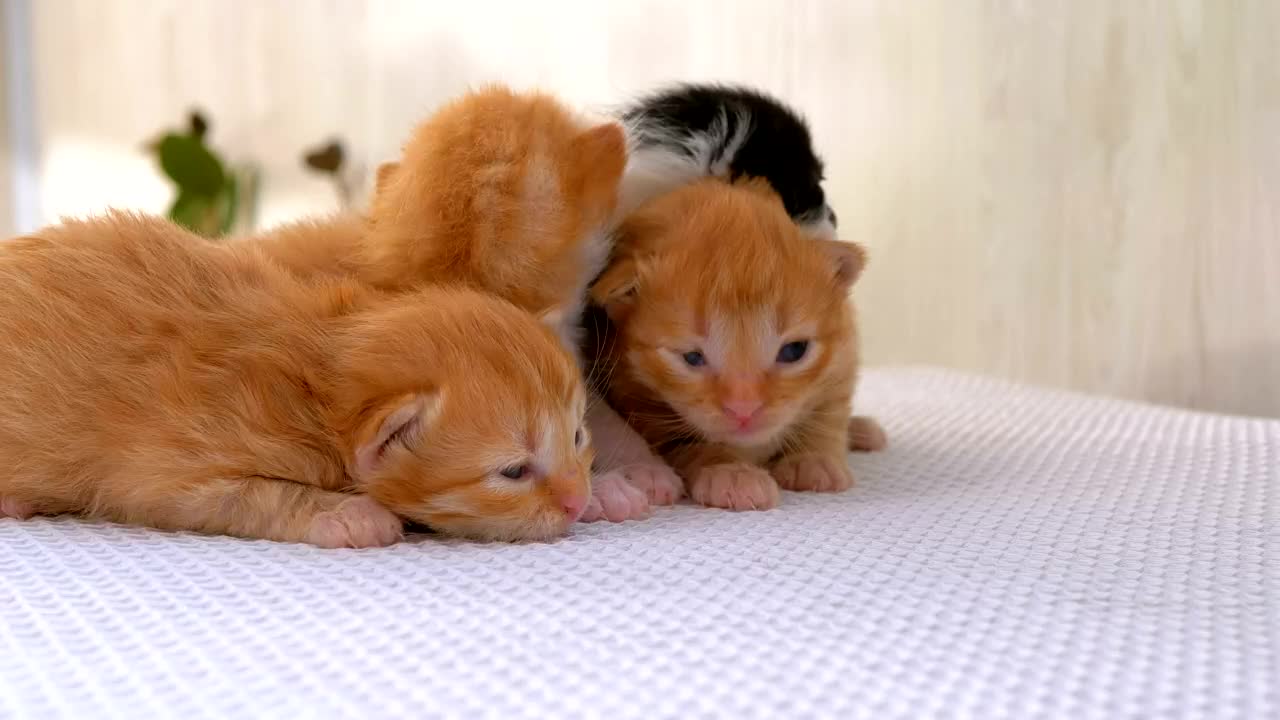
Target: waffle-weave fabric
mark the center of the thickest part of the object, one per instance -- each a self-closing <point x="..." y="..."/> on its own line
<point x="1016" y="553"/>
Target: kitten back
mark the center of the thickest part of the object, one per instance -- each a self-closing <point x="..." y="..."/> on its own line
<point x="498" y="190"/>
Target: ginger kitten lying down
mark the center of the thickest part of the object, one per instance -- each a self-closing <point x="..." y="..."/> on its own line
<point x="735" y="351"/>
<point x="513" y="194"/>
<point x="148" y="376"/>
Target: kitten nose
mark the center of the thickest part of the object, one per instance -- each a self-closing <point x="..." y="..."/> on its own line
<point x="742" y="410"/>
<point x="571" y="491"/>
<point x="573" y="506"/>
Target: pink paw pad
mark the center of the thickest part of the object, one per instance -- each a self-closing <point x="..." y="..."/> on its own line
<point x="813" y="473"/>
<point x="660" y="484"/>
<point x="735" y="486"/>
<point x="15" y="508"/>
<point x="614" y="499"/>
<point x="356" y="523"/>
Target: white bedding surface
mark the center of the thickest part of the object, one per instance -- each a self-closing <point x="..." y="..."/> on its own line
<point x="1017" y="553"/>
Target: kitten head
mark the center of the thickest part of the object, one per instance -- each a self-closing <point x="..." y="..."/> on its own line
<point x="504" y="191"/>
<point x="464" y="413"/>
<point x="728" y="313"/>
<point x="692" y="130"/>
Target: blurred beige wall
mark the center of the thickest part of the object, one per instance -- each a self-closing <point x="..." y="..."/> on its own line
<point x="7" y="226"/>
<point x="6" y="155"/>
<point x="1084" y="194"/>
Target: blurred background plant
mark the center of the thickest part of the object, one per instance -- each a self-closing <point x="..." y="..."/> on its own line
<point x="333" y="161"/>
<point x="212" y="198"/>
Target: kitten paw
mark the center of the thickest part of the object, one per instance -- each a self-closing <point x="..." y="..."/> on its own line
<point x="734" y="486"/>
<point x="614" y="499"/>
<point x="657" y="481"/>
<point x="813" y="473"/>
<point x="15" y="508"/>
<point x="357" y="523"/>
<point x="866" y="435"/>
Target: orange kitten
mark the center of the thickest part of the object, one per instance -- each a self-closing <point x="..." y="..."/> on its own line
<point x="735" y="350"/>
<point x="510" y="193"/>
<point x="150" y="377"/>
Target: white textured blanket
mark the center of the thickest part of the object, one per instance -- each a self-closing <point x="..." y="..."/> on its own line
<point x="1017" y="553"/>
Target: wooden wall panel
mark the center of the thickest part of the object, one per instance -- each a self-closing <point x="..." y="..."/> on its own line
<point x="1084" y="194"/>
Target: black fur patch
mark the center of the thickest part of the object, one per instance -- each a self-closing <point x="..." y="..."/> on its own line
<point x="777" y="145"/>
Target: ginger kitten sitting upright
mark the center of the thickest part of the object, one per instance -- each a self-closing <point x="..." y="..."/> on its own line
<point x="735" y="347"/>
<point x="513" y="194"/>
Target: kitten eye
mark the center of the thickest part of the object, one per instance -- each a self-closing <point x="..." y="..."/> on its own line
<point x="793" y="351"/>
<point x="577" y="438"/>
<point x="695" y="358"/>
<point x="515" y="472"/>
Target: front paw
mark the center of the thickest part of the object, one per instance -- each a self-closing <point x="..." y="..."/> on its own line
<point x="866" y="435"/>
<point x="15" y="508"/>
<point x="614" y="499"/>
<point x="357" y="522"/>
<point x="813" y="473"/>
<point x="734" y="486"/>
<point x="660" y="484"/>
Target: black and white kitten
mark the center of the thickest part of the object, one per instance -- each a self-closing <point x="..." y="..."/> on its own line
<point x="688" y="131"/>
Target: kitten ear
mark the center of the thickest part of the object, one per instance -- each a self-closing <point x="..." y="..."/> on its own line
<point x="606" y="142"/>
<point x="383" y="177"/>
<point x="615" y="289"/>
<point x="848" y="258"/>
<point x="400" y="421"/>
<point x="601" y="156"/>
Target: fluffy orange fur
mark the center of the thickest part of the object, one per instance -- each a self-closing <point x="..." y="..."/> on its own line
<point x="735" y="349"/>
<point x="513" y="194"/>
<point x="148" y="376"/>
<point x="506" y="192"/>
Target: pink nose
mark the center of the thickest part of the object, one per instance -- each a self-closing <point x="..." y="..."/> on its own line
<point x="742" y="411"/>
<point x="573" y="506"/>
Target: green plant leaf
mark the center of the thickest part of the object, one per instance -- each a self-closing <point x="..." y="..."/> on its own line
<point x="189" y="163"/>
<point x="229" y="202"/>
<point x="193" y="212"/>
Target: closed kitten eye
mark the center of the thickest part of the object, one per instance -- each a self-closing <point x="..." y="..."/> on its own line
<point x="793" y="351"/>
<point x="516" y="472"/>
<point x="577" y="438"/>
<point x="695" y="358"/>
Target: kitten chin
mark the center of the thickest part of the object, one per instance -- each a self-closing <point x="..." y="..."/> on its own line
<point x="738" y="359"/>
<point x="151" y="377"/>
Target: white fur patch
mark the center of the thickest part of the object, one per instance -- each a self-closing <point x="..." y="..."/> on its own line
<point x="719" y="132"/>
<point x="547" y="444"/>
<point x="595" y="249"/>
<point x="662" y="159"/>
<point x="652" y="171"/>
<point x="750" y="332"/>
<point x="822" y="229"/>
